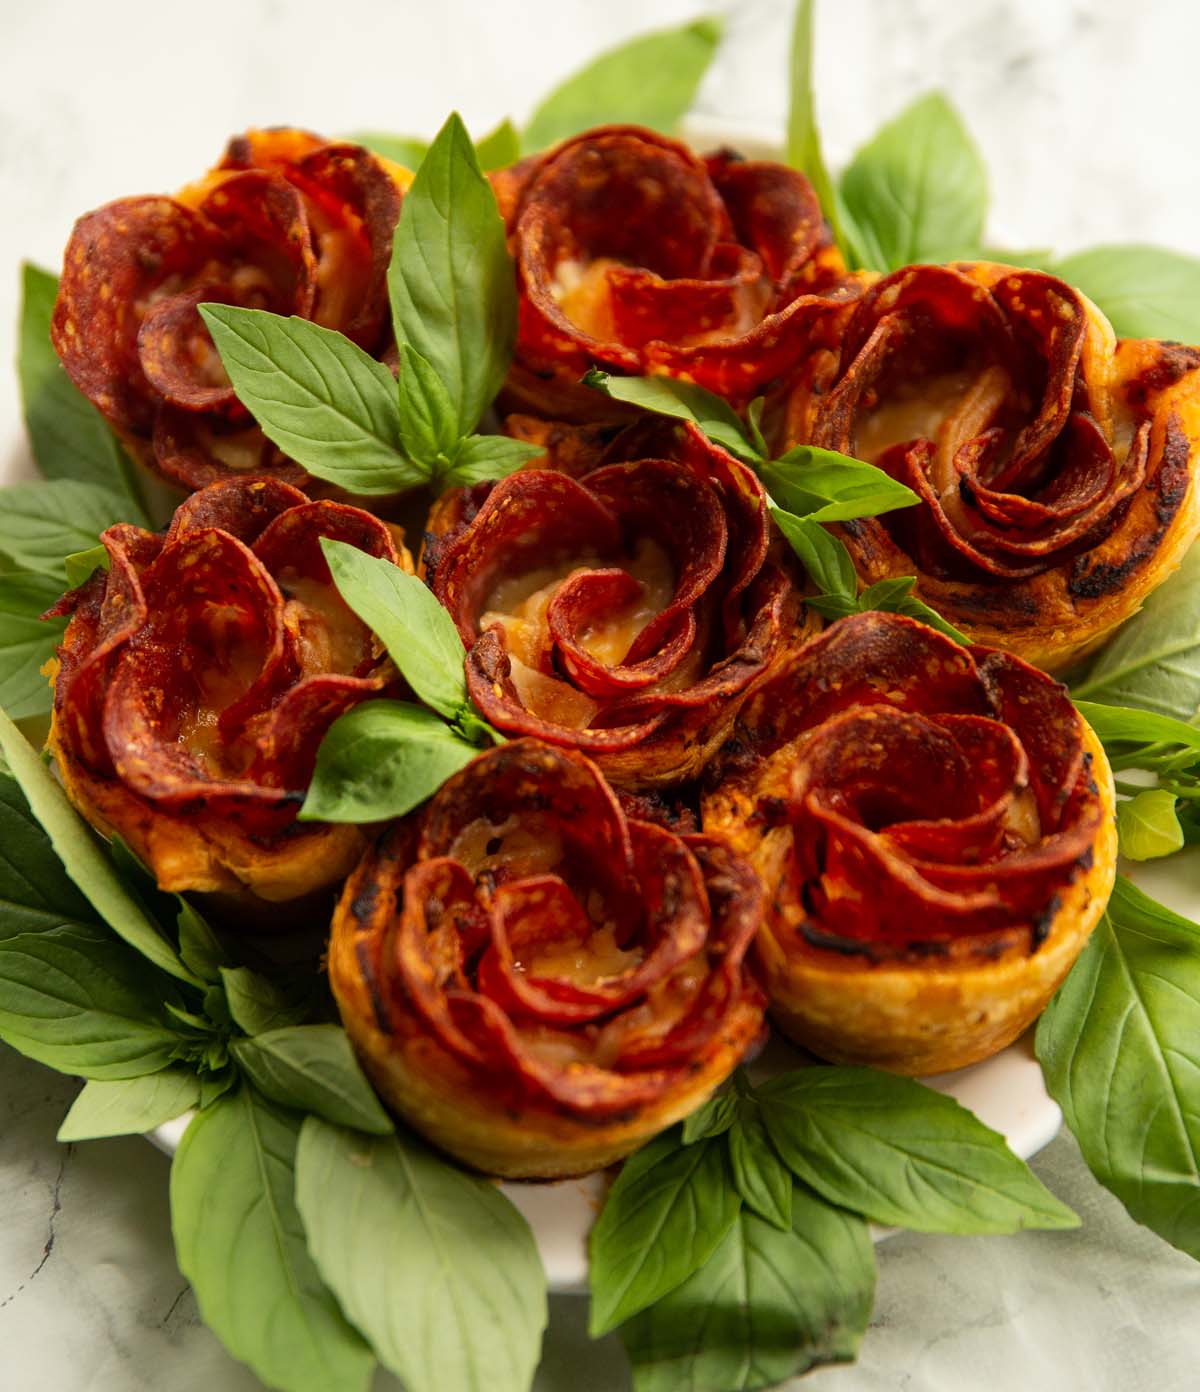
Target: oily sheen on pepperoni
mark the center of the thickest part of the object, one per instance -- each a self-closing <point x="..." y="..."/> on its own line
<point x="199" y="674"/>
<point x="286" y="222"/>
<point x="535" y="980"/>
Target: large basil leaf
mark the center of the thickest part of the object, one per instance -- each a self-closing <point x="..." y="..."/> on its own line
<point x="130" y="1106"/>
<point x="803" y="135"/>
<point x="257" y="1004"/>
<point x="825" y="486"/>
<point x="44" y="521"/>
<point x="436" y="1267"/>
<point x="1146" y="291"/>
<point x="900" y="1153"/>
<point x="35" y="893"/>
<point x="27" y="642"/>
<point x="1119" y="1046"/>
<point x="312" y="1068"/>
<point x="240" y="1242"/>
<point x="766" y="1306"/>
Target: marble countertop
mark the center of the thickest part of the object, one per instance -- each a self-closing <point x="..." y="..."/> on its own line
<point x="1084" y="112"/>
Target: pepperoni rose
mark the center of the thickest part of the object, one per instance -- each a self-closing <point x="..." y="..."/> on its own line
<point x="636" y="254"/>
<point x="196" y="679"/>
<point x="623" y="612"/>
<point x="1055" y="466"/>
<point x="537" y="982"/>
<point x="286" y="222"/>
<point x="933" y="826"/>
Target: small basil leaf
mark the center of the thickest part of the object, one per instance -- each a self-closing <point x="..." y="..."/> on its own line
<point x="130" y="1106"/>
<point x="257" y="1005"/>
<point x="482" y="458"/>
<point x="667" y="396"/>
<point x="214" y="1086"/>
<point x="435" y="1266"/>
<point x="240" y="1242"/>
<point x="451" y="279"/>
<point x="1148" y="826"/>
<point x="80" y="566"/>
<point x="199" y="946"/>
<point x="43" y="521"/>
<point x="649" y="81"/>
<point x="917" y="191"/>
<point x="406" y="150"/>
<point x="669" y="1208"/>
<point x="1125" y="725"/>
<point x="829" y="487"/>
<point x="713" y="1119"/>
<point x="312" y="1068"/>
<point x="1145" y="291"/>
<point x="325" y="403"/>
<point x="832" y="606"/>
<point x="765" y="1307"/>
<point x="823" y="556"/>
<point x="895" y="596"/>
<point x="427" y="423"/>
<point x="381" y="760"/>
<point x="418" y="633"/>
<point x="760" y="1176"/>
<point x="82" y="857"/>
<point x="27" y="641"/>
<point x="898" y="1152"/>
<point x="499" y="148"/>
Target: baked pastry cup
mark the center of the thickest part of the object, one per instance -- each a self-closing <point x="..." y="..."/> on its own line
<point x="537" y="983"/>
<point x="624" y="612"/>
<point x="1056" y="466"/>
<point x="196" y="679"/>
<point x="286" y="222"/>
<point x="934" y="829"/>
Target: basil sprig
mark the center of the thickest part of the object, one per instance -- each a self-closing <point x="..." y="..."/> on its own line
<point x="496" y="150"/>
<point x="738" y="1240"/>
<point x="807" y="487"/>
<point x="335" y="410"/>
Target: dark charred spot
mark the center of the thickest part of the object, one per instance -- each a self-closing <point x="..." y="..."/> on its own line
<point x="1040" y="928"/>
<point x="1174" y="362"/>
<point x="362" y="906"/>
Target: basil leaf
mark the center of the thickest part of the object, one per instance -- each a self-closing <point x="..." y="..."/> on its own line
<point x="803" y="136"/>
<point x="80" y="566"/>
<point x="482" y="458"/>
<point x="130" y="1106"/>
<point x="436" y="1267"/>
<point x="1124" y="725"/>
<point x="428" y="426"/>
<point x="669" y="1208"/>
<point x="69" y="437"/>
<point x="895" y="596"/>
<point x="406" y="150"/>
<point x="917" y="191"/>
<point x="765" y="1307"/>
<point x="759" y="1175"/>
<point x="41" y="521"/>
<point x="82" y="857"/>
<point x="35" y="893"/>
<point x="823" y="556"/>
<point x="381" y="760"/>
<point x="667" y="396"/>
<point x="900" y="1153"/>
<point x="499" y="148"/>
<point x="1145" y="291"/>
<point x="199" y="947"/>
<point x="1154" y="661"/>
<point x="27" y="641"/>
<point x="326" y="404"/>
<point x="451" y="279"/>
<point x="312" y="1068"/>
<point x="832" y="606"/>
<point x="78" y="1001"/>
<point x="649" y="81"/>
<point x="240" y="1242"/>
<point x="257" y="1004"/>
<point x="417" y="631"/>
<point x="825" y="486"/>
<point x="1119" y="1046"/>
<point x="1148" y="826"/>
<point x="713" y="1119"/>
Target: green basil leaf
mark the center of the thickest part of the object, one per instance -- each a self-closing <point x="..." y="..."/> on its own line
<point x="667" y="396"/>
<point x="1119" y="1046"/>
<point x="451" y="279"/>
<point x="917" y="191"/>
<point x="1148" y="826"/>
<point x="407" y="150"/>
<point x="435" y="1266"/>
<point x="79" y="1001"/>
<point x="895" y="596"/>
<point x="713" y="1119"/>
<point x="381" y="760"/>
<point x="898" y="1152"/>
<point x="80" y="566"/>
<point x="760" y="1176"/>
<point x="82" y="857"/>
<point x="312" y="1068"/>
<point x="1124" y="725"/>
<point x="669" y="1208"/>
<point x="417" y="631"/>
<point x="823" y="556"/>
<point x="69" y="437"/>
<point x="326" y="404"/>
<point x="482" y="458"/>
<point x="214" y="1086"/>
<point x="1154" y="661"/>
<point x="765" y="1307"/>
<point x="130" y="1106"/>
<point x="1145" y="291"/>
<point x="27" y="641"/>
<point x="199" y="947"/>
<point x="428" y="426"/>
<point x="832" y="606"/>
<point x="35" y="893"/>
<point x="803" y="136"/>
<point x="257" y="1004"/>
<point x="499" y="148"/>
<point x="240" y="1242"/>
<point x="825" y="486"/>
<point x="649" y="81"/>
<point x="42" y="521"/>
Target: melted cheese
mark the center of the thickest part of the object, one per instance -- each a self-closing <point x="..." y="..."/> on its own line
<point x="919" y="410"/>
<point x="595" y="960"/>
<point x="329" y="637"/>
<point x="530" y="846"/>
